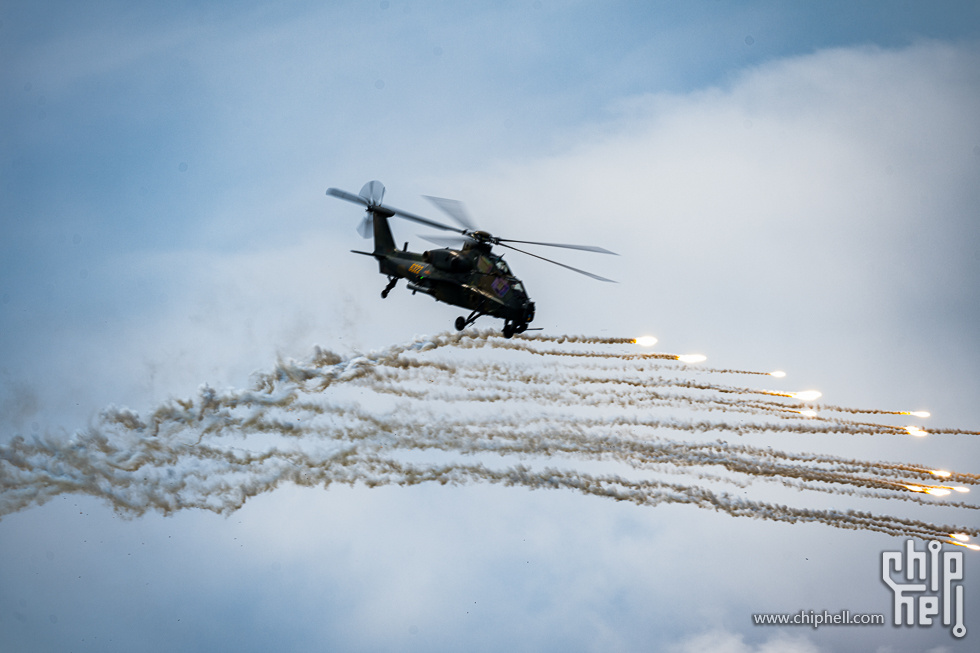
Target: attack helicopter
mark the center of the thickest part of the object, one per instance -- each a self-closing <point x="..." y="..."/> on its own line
<point x="466" y="273"/>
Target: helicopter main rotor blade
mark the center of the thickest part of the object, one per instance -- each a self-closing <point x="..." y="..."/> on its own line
<point x="421" y="220"/>
<point x="454" y="242"/>
<point x="455" y="210"/>
<point x="350" y="197"/>
<point x="569" y="267"/>
<point x="373" y="191"/>
<point x="390" y="210"/>
<point x="584" y="248"/>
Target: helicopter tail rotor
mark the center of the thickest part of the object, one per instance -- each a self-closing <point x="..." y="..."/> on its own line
<point x="366" y="226"/>
<point x="370" y="197"/>
<point x="373" y="192"/>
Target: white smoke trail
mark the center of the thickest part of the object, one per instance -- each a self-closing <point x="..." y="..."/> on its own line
<point x="522" y="401"/>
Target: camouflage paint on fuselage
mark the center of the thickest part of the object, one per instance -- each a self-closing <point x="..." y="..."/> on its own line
<point x="472" y="277"/>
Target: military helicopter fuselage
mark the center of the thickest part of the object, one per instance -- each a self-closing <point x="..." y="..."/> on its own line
<point x="470" y="275"/>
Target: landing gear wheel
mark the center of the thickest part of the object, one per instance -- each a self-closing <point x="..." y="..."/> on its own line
<point x="463" y="322"/>
<point x="384" y="294"/>
<point x="508" y="330"/>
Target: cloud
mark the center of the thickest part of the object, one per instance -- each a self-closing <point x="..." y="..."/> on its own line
<point x="719" y="641"/>
<point x="830" y="195"/>
<point x="815" y="212"/>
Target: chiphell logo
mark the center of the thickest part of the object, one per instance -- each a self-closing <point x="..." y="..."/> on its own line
<point x="925" y="582"/>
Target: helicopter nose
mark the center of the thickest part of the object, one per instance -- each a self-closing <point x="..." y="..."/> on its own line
<point x="528" y="312"/>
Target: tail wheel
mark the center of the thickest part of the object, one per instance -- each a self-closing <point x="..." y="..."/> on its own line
<point x="508" y="329"/>
<point x="460" y="323"/>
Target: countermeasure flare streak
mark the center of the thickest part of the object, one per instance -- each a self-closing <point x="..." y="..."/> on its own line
<point x="219" y="449"/>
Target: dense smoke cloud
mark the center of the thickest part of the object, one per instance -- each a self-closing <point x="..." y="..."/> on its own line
<point x="432" y="410"/>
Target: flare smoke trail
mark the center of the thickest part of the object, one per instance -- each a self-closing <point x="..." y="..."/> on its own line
<point x="533" y="412"/>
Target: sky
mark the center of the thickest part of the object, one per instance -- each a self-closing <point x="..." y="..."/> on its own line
<point x="788" y="186"/>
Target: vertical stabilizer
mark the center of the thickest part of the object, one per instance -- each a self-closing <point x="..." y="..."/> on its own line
<point x="383" y="241"/>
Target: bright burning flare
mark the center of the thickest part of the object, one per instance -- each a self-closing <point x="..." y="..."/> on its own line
<point x="692" y="358"/>
<point x="961" y="489"/>
<point x="778" y="374"/>
<point x="942" y="473"/>
<point x="962" y="537"/>
<point x="806" y="395"/>
<point x="972" y="547"/>
<point x="808" y="413"/>
<point x="920" y="413"/>
<point x="916" y="431"/>
<point x="937" y="491"/>
<point x="645" y="341"/>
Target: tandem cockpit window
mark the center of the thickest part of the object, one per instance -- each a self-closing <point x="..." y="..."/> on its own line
<point x="500" y="267"/>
